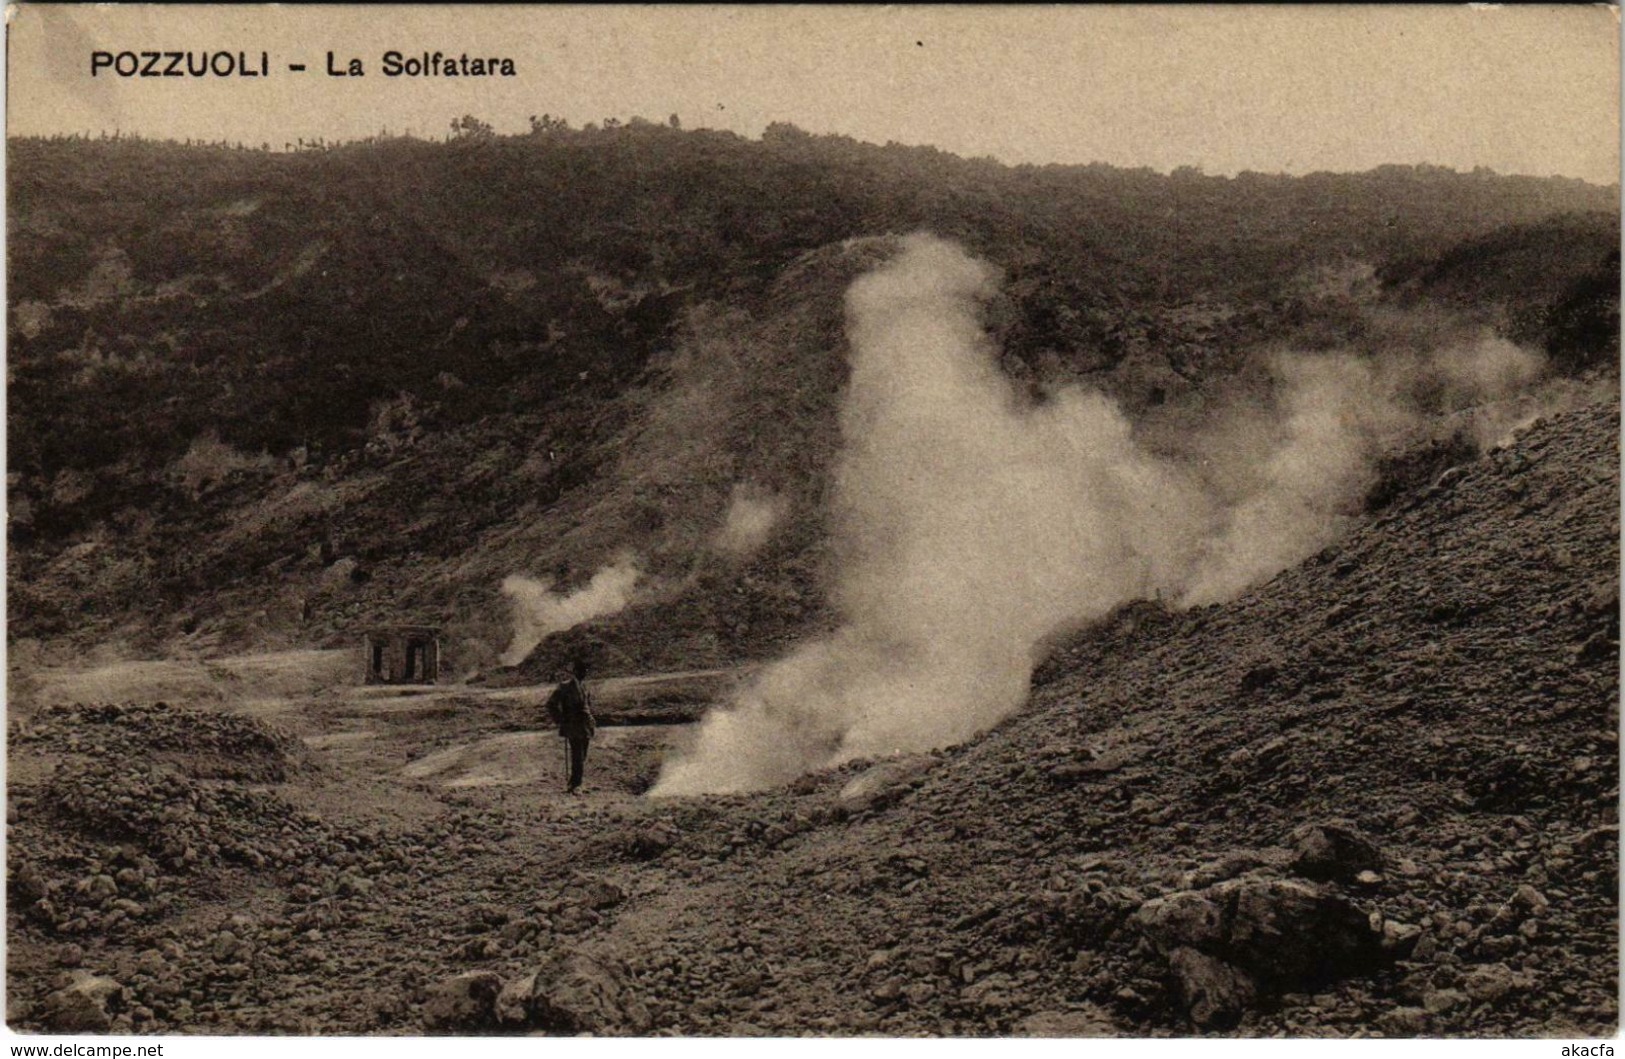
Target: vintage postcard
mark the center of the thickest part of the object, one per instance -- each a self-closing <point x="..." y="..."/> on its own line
<point x="898" y="522"/>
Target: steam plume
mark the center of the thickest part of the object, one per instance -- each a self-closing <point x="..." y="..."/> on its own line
<point x="971" y="524"/>
<point x="965" y="532"/>
<point x="1336" y="416"/>
<point x="752" y="516"/>
<point x="538" y="612"/>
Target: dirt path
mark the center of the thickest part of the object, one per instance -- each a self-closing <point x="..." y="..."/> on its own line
<point x="448" y="801"/>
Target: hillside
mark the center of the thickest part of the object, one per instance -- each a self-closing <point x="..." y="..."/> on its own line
<point x="1119" y="603"/>
<point x="1377" y="794"/>
<point x="1443" y="683"/>
<point x="258" y="400"/>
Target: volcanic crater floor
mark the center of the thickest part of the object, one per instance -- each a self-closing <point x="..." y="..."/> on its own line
<point x="1375" y="796"/>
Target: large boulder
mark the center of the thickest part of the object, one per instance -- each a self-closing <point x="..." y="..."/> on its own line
<point x="1214" y="993"/>
<point x="1282" y="931"/>
<point x="1333" y="850"/>
<point x="1245" y="936"/>
<point x="580" y="994"/>
<point x="513" y="1002"/>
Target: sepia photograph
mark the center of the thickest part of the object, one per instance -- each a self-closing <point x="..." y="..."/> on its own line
<point x="812" y="522"/>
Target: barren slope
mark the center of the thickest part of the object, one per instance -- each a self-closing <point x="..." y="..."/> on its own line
<point x="1444" y="682"/>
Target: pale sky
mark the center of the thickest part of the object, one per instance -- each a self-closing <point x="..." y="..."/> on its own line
<point x="1530" y="90"/>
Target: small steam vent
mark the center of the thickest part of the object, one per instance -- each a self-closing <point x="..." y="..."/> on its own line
<point x="401" y="654"/>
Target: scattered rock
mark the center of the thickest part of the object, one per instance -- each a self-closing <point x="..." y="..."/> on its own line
<point x="352" y="885"/>
<point x="513" y="1002"/>
<point x="1490" y="982"/>
<point x="102" y="888"/>
<point x="592" y="892"/>
<point x="1400" y="940"/>
<point x="225" y="946"/>
<point x="1230" y="865"/>
<point x="884" y="784"/>
<point x="1260" y="676"/>
<point x="586" y="994"/>
<point x="1333" y="850"/>
<point x="1283" y="932"/>
<point x="1213" y="992"/>
<point x="1596" y="648"/>
<point x="466" y="1001"/>
<point x="1528" y="899"/>
<point x="1404" y="1022"/>
<point x="1088" y="1021"/>
<point x="918" y="993"/>
<point x="150" y="962"/>
<point x="1439" y="1001"/>
<point x="990" y="993"/>
<point x="651" y="841"/>
<point x="88" y="1004"/>
<point x="573" y="919"/>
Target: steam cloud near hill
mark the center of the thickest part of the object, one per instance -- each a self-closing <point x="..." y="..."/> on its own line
<point x="1335" y="416"/>
<point x="971" y="524"/>
<point x="752" y="515"/>
<point x="538" y="612"/>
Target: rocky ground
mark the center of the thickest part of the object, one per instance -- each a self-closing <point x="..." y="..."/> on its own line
<point x="1375" y="796"/>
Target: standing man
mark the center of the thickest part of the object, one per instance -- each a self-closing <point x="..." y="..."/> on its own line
<point x="570" y="707"/>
